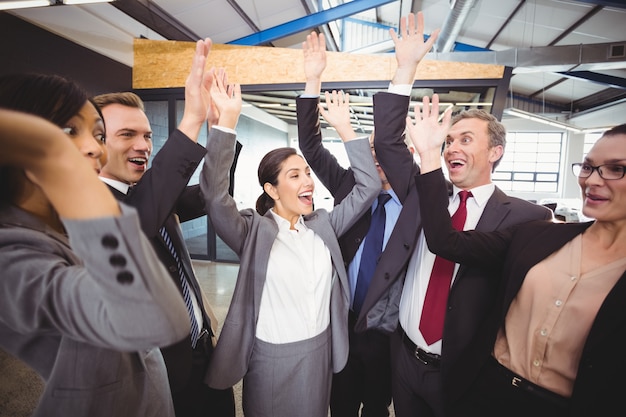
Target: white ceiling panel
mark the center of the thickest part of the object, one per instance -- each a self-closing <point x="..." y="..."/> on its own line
<point x="99" y="27"/>
<point x="109" y="31"/>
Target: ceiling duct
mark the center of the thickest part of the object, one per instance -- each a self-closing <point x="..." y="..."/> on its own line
<point x="453" y="24"/>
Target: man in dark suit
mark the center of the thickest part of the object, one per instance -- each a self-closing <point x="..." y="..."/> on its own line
<point x="366" y="379"/>
<point x="163" y="199"/>
<point x="421" y="362"/>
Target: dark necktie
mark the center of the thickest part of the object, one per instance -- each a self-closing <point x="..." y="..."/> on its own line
<point x="185" y="286"/>
<point x="434" y="311"/>
<point x="372" y="247"/>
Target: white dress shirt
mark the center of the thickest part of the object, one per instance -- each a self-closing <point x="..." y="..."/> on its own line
<point x="421" y="266"/>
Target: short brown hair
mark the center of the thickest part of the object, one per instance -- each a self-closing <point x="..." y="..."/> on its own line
<point x="124" y="98"/>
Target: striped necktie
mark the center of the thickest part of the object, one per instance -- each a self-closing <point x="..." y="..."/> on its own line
<point x="372" y="248"/>
<point x="185" y="287"/>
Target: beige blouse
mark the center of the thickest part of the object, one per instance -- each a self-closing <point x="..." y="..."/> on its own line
<point x="548" y="321"/>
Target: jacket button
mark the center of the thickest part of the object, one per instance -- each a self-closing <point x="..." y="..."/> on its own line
<point x="125" y="277"/>
<point x="110" y="242"/>
<point x="117" y="260"/>
<point x="172" y="268"/>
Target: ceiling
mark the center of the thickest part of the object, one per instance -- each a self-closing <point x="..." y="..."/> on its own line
<point x="568" y="56"/>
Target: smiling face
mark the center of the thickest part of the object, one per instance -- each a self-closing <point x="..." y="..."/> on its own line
<point x="128" y="142"/>
<point x="293" y="193"/>
<point x="86" y="129"/>
<point x="468" y="153"/>
<point x="605" y="200"/>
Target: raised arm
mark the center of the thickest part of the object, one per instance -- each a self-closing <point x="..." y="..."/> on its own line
<point x="335" y="178"/>
<point x="410" y="47"/>
<point x="215" y="177"/>
<point x="391" y="108"/>
<point x="314" y="49"/>
<point x="197" y="92"/>
<point x="160" y="189"/>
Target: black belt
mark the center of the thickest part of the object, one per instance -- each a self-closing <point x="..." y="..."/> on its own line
<point x="420" y="354"/>
<point x="517" y="381"/>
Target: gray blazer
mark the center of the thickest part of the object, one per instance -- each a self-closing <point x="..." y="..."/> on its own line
<point x="87" y="313"/>
<point x="251" y="236"/>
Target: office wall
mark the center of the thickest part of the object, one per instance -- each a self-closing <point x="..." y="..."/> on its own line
<point x="25" y="47"/>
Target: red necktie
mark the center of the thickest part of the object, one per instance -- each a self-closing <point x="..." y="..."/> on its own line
<point x="434" y="311"/>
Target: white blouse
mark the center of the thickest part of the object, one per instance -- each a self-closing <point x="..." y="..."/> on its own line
<point x="295" y="304"/>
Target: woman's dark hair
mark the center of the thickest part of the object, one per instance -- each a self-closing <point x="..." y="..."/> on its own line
<point x="99" y="110"/>
<point x="269" y="168"/>
<point x="51" y="97"/>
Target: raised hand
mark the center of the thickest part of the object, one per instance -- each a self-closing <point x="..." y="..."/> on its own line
<point x="337" y="114"/>
<point x="427" y="133"/>
<point x="197" y="92"/>
<point x="314" y="49"/>
<point x="410" y="46"/>
<point x="227" y="99"/>
<point x="213" y="115"/>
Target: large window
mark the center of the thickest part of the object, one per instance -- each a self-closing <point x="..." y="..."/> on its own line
<point x="590" y="140"/>
<point x="531" y="162"/>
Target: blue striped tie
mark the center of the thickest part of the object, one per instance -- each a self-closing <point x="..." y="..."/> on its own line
<point x="372" y="248"/>
<point x="185" y="286"/>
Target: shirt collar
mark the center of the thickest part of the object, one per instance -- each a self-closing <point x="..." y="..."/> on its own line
<point x="285" y="225"/>
<point x="393" y="195"/>
<point x="120" y="186"/>
<point x="481" y="194"/>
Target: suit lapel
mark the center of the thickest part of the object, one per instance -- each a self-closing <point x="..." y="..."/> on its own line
<point x="496" y="210"/>
<point x="327" y="234"/>
<point x="117" y="193"/>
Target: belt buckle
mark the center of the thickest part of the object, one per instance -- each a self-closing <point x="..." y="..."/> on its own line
<point x="420" y="357"/>
<point x="515" y="380"/>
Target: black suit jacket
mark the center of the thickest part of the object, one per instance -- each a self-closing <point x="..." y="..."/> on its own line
<point x="380" y="308"/>
<point x="509" y="254"/>
<point x="473" y="293"/>
<point x="162" y="198"/>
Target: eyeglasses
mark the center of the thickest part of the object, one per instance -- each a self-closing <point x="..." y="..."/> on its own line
<point x="606" y="171"/>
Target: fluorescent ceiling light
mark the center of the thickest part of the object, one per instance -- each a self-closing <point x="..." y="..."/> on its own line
<point x="8" y="5"/>
<point x="24" y="4"/>
<point x="471" y="103"/>
<point x="85" y="1"/>
<point x="540" y="119"/>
